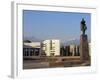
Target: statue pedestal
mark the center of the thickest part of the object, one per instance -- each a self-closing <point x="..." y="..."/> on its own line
<point x="84" y="48"/>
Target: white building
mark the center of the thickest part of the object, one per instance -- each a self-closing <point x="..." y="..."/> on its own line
<point x="31" y="48"/>
<point x="89" y="49"/>
<point x="51" y="47"/>
<point x="74" y="50"/>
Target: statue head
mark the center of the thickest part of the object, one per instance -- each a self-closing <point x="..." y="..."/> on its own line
<point x="83" y="21"/>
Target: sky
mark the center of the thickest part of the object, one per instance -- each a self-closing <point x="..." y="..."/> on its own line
<point x="44" y="25"/>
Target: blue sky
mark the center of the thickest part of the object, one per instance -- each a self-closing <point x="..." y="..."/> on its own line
<point x="54" y="25"/>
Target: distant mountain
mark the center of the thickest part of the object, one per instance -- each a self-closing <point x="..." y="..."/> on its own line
<point x="32" y="38"/>
<point x="63" y="43"/>
<point x="74" y="41"/>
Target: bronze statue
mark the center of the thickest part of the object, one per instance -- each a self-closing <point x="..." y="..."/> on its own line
<point x="83" y="26"/>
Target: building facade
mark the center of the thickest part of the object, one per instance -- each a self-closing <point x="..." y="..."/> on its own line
<point x="31" y="49"/>
<point x="89" y="49"/>
<point x="69" y="50"/>
<point x="51" y="47"/>
<point x="64" y="51"/>
<point x="74" y="50"/>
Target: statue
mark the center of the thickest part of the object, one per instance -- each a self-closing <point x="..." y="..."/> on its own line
<point x="83" y="26"/>
<point x="84" y="48"/>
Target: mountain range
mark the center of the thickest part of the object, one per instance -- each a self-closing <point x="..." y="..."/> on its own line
<point x="67" y="42"/>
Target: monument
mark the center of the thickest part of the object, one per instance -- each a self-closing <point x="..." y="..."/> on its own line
<point x="84" y="48"/>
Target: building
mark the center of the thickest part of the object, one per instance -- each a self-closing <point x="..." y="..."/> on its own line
<point x="77" y="50"/>
<point x="65" y="51"/>
<point x="62" y="51"/>
<point x="31" y="49"/>
<point x="51" y="47"/>
<point x="89" y="49"/>
<point x="69" y="50"/>
<point x="74" y="50"/>
<point x="33" y="44"/>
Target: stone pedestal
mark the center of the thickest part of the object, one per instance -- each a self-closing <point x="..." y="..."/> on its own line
<point x="84" y="48"/>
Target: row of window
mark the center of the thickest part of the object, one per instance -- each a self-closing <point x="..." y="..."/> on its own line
<point x="31" y="51"/>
